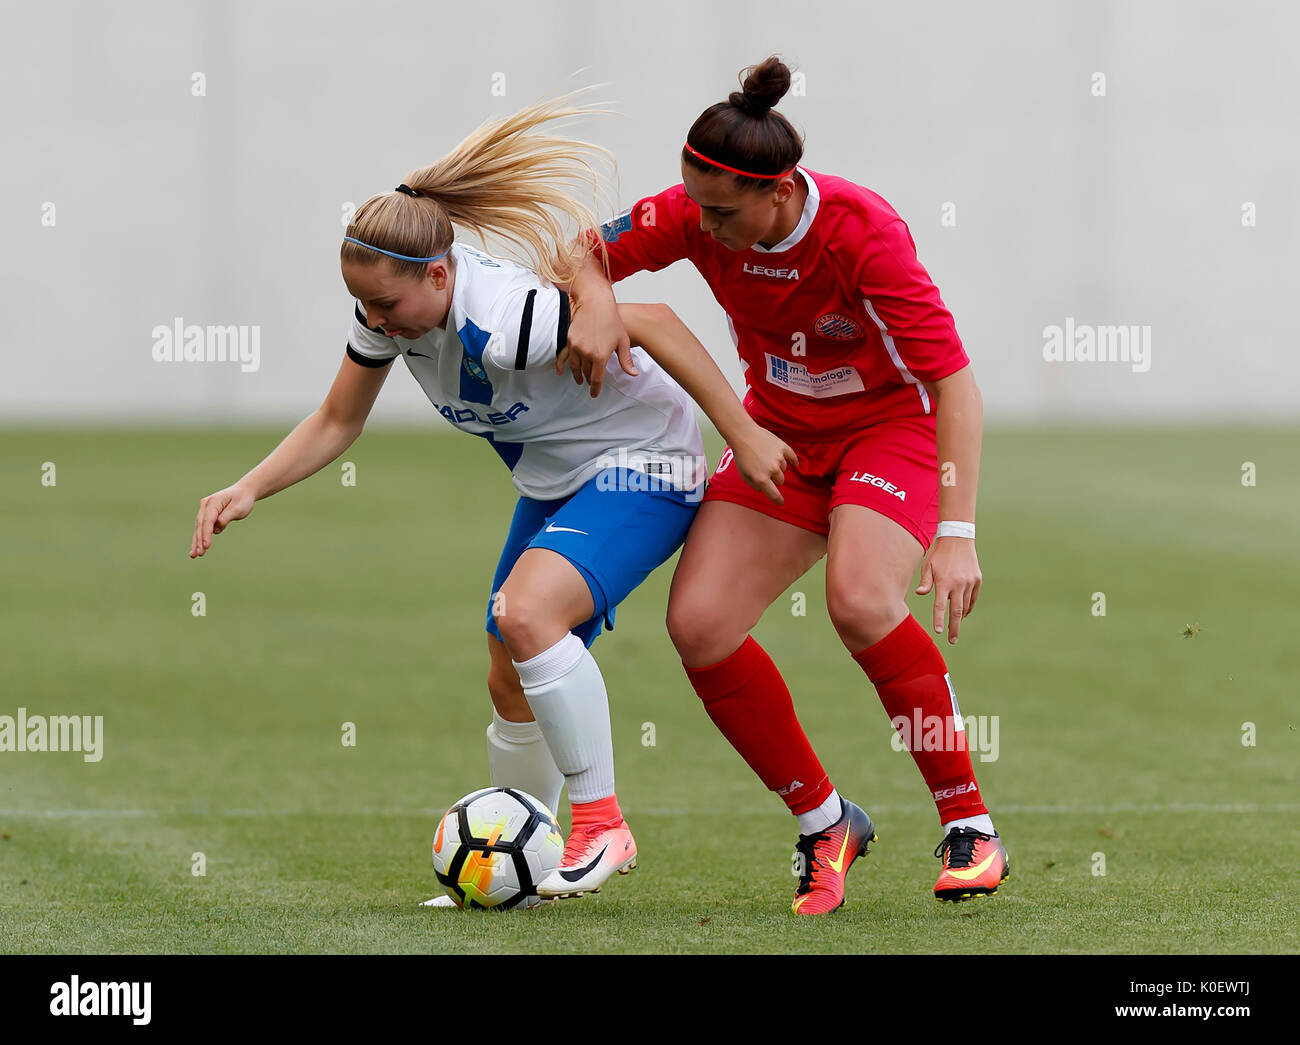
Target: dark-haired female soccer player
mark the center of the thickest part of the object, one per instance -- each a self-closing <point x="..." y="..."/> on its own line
<point x="852" y="358"/>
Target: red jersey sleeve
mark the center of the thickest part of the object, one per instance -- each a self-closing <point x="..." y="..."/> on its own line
<point x="649" y="235"/>
<point x="904" y="302"/>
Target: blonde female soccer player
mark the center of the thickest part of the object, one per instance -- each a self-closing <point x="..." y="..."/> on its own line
<point x="608" y="486"/>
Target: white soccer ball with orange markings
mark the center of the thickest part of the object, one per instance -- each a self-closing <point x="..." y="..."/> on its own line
<point x="493" y="847"/>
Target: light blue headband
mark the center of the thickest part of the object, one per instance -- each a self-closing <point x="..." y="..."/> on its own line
<point x="400" y="257"/>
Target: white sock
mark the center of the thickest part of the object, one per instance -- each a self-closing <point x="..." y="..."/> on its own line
<point x="822" y="817"/>
<point x="519" y="758"/>
<point x="983" y="823"/>
<point x="566" y="691"/>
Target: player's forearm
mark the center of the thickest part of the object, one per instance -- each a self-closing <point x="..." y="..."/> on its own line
<point x="306" y="450"/>
<point x="589" y="285"/>
<point x="670" y="343"/>
<point x="960" y="423"/>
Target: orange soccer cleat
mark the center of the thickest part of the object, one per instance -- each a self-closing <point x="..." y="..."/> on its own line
<point x="592" y="853"/>
<point x="822" y="860"/>
<point x="974" y="864"/>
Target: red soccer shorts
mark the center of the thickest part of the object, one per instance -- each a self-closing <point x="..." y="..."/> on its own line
<point x="891" y="467"/>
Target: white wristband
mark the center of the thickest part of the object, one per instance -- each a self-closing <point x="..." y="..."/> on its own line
<point x="955" y="529"/>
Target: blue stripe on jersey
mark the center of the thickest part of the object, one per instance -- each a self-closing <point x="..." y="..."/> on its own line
<point x="508" y="452"/>
<point x="474" y="384"/>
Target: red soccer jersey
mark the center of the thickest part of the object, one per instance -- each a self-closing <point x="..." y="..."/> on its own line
<point x="837" y="325"/>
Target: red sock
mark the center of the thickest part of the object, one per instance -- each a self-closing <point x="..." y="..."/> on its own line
<point x="603" y="811"/>
<point x="751" y="706"/>
<point x="911" y="678"/>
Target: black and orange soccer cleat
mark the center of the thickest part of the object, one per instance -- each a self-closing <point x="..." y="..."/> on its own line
<point x="823" y="859"/>
<point x="974" y="864"/>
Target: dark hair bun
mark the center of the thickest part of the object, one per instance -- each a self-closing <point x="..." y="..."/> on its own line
<point x="762" y="86"/>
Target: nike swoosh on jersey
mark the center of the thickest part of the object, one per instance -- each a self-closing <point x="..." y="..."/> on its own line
<point x="574" y="875"/>
<point x="565" y="529"/>
<point x="965" y="874"/>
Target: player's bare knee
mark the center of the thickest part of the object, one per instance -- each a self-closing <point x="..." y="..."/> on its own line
<point x="529" y="624"/>
<point x="698" y="632"/>
<point x="517" y="615"/>
<point x="681" y="622"/>
<point x="863" y="617"/>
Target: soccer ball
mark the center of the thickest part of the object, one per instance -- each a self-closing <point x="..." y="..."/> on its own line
<point x="494" y="846"/>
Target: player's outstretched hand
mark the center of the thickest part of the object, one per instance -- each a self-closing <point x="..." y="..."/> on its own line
<point x="216" y="512"/>
<point x="595" y="334"/>
<point x="762" y="459"/>
<point x="953" y="570"/>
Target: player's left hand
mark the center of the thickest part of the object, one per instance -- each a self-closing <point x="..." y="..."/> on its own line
<point x="953" y="570"/>
<point x="595" y="334"/>
<point x="762" y="459"/>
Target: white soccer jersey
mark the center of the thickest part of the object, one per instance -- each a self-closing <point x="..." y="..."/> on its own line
<point x="491" y="372"/>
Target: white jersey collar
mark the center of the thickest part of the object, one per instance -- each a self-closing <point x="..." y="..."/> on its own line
<point x="456" y="310"/>
<point x="805" y="220"/>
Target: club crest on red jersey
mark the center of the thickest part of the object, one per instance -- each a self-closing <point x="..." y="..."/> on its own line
<point x="838" y="327"/>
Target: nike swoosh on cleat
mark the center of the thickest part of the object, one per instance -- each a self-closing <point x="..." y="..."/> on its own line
<point x="837" y="865"/>
<point x="965" y="874"/>
<point x="573" y="876"/>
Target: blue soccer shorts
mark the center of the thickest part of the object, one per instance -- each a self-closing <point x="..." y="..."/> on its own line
<point x="616" y="529"/>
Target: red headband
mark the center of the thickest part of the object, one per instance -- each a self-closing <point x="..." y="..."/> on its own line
<point x="734" y="170"/>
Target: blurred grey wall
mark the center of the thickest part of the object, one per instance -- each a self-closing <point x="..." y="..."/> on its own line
<point x="1165" y="197"/>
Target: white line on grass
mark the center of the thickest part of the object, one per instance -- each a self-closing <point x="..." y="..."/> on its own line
<point x="1062" y="810"/>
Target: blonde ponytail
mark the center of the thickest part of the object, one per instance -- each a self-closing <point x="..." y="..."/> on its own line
<point x="504" y="181"/>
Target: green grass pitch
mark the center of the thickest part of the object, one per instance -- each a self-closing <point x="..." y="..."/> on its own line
<point x="1120" y="737"/>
